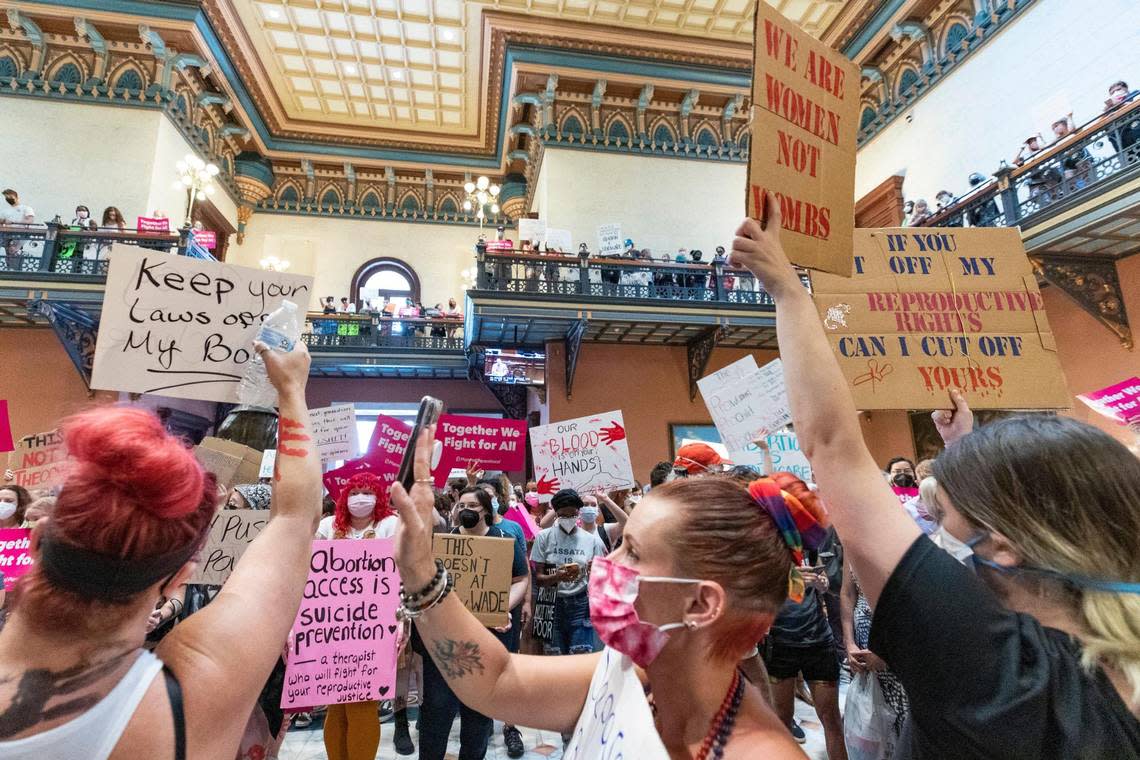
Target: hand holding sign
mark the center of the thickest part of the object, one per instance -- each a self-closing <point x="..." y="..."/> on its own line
<point x="758" y="249"/>
<point x="955" y="423"/>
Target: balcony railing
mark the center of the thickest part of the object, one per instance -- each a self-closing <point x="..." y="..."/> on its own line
<point x="626" y="279"/>
<point x="369" y="330"/>
<point x="1103" y="150"/>
<point x="56" y="249"/>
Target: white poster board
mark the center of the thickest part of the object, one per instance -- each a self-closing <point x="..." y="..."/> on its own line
<point x="184" y="327"/>
<point x="746" y="403"/>
<point x="533" y="230"/>
<point x="268" y="462"/>
<point x="616" y="721"/>
<point x="334" y="432"/>
<point x="609" y="240"/>
<point x="559" y="240"/>
<point x="586" y="454"/>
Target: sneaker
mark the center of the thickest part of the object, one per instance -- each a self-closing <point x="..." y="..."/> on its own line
<point x="797" y="732"/>
<point x="514" y="741"/>
<point x="302" y="720"/>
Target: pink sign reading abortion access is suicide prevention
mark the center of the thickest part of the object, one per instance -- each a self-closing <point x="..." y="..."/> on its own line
<point x="343" y="645"/>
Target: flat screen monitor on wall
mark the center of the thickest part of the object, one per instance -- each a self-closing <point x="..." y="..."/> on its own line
<point x="515" y="367"/>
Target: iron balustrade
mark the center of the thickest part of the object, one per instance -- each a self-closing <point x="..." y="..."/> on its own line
<point x="57" y="249"/>
<point x="370" y="330"/>
<point x="1105" y="149"/>
<point x="624" y="279"/>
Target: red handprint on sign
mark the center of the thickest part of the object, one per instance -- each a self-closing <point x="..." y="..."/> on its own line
<point x="548" y="486"/>
<point x="612" y="434"/>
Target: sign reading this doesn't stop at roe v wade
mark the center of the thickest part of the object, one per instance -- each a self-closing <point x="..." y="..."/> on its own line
<point x="342" y="647"/>
<point x="930" y="310"/>
<point x="805" y="103"/>
<point x="184" y="327"/>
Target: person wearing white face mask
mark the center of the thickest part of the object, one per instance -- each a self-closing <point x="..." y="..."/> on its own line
<point x="609" y="532"/>
<point x="352" y="731"/>
<point x="13" y="501"/>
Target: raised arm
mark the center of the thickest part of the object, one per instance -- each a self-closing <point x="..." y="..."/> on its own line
<point x="543" y="692"/>
<point x="875" y="532"/>
<point x="223" y="654"/>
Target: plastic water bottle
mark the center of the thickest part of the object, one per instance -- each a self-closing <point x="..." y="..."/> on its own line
<point x="279" y="331"/>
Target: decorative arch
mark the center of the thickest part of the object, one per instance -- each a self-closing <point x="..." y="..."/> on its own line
<point x="288" y="193"/>
<point x="409" y="201"/>
<point x="448" y="205"/>
<point x="11" y="62"/>
<point x="67" y="70"/>
<point x="706" y="135"/>
<point x="573" y="122"/>
<point x="182" y="99"/>
<point x="866" y="117"/>
<point x="371" y="200"/>
<point x="330" y="196"/>
<point x="957" y="29"/>
<point x="618" y="130"/>
<point x="907" y="79"/>
<point x="381" y="265"/>
<point x="663" y="132"/>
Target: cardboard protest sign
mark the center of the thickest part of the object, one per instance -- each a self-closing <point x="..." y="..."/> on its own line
<point x="586" y="454"/>
<point x="543" y="625"/>
<point x="929" y="310"/>
<point x="610" y="242"/>
<point x="232" y="463"/>
<point x="182" y="326"/>
<point x="481" y="569"/>
<point x="343" y="643"/>
<point x="15" y="554"/>
<point x="1120" y="402"/>
<point x="231" y="533"/>
<point x="805" y="106"/>
<point x="616" y="721"/>
<point x="746" y="402"/>
<point x="6" y="442"/>
<point x="493" y="444"/>
<point x="389" y="439"/>
<point x="334" y="432"/>
<point x="39" y="460"/>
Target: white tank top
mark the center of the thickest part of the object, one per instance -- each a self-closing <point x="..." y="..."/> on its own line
<point x="94" y="734"/>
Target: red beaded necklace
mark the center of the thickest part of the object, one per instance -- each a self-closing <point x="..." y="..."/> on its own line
<point x="723" y="721"/>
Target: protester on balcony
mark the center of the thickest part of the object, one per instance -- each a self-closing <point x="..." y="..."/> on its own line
<point x="1032" y="650"/>
<point x="1075" y="166"/>
<point x="1118" y="95"/>
<point x="329" y="307"/>
<point x="346" y="306"/>
<point x="83" y="219"/>
<point x="945" y="199"/>
<point x="113" y="220"/>
<point x="14" y="212"/>
<point x="983" y="214"/>
<point x="920" y="214"/>
<point x="1033" y="145"/>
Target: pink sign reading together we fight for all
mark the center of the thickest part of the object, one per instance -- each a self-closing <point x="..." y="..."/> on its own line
<point x="1120" y="402"/>
<point x="342" y="647"/>
<point x="15" y="554"/>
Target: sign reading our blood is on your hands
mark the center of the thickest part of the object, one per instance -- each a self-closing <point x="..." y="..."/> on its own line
<point x="805" y="101"/>
<point x="587" y="454"/>
<point x="927" y="310"/>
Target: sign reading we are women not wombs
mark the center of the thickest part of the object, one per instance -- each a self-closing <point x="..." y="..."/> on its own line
<point x="805" y="101"/>
<point x="184" y="327"/>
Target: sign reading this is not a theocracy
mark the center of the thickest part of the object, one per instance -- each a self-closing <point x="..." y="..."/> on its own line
<point x="805" y="101"/>
<point x="184" y="327"/>
<point x="928" y="310"/>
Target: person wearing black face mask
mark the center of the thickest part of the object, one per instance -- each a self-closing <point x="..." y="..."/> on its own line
<point x="476" y="517"/>
<point x="900" y="471"/>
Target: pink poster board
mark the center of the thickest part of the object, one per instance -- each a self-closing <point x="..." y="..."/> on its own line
<point x="389" y="438"/>
<point x="342" y="647"/>
<point x="6" y="442"/>
<point x="519" y="515"/>
<point x="334" y="480"/>
<point x="493" y="444"/>
<point x="904" y="494"/>
<point x="15" y="554"/>
<point x="208" y="239"/>
<point x="1120" y="402"/>
<point x="153" y="226"/>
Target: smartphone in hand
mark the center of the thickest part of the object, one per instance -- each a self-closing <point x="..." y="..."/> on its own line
<point x="428" y="414"/>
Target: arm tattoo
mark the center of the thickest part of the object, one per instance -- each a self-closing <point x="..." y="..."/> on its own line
<point x="457" y="658"/>
<point x="39" y="686"/>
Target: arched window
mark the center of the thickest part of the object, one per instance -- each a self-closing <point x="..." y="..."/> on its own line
<point x="907" y="82"/>
<point x="706" y="137"/>
<point x="385" y="280"/>
<point x="867" y="117"/>
<point x="370" y="201"/>
<point x="330" y="199"/>
<point x="130" y="81"/>
<point x="448" y="206"/>
<point x="571" y="126"/>
<point x="618" y="133"/>
<point x="68" y="73"/>
<point x="410" y="203"/>
<point x="954" y="37"/>
<point x="289" y="195"/>
<point x="8" y="67"/>
<point x="662" y="135"/>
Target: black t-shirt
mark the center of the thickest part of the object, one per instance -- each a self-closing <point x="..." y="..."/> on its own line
<point x="987" y="682"/>
<point x="803" y="624"/>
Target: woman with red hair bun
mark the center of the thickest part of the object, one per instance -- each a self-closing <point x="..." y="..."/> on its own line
<point x="126" y="529"/>
<point x="352" y="731"/>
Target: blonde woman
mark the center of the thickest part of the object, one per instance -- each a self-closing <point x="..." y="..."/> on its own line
<point x="1034" y="651"/>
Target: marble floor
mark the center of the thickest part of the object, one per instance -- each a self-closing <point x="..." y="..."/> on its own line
<point x="541" y="745"/>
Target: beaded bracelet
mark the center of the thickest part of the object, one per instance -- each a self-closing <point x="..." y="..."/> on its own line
<point x="405" y="613"/>
<point x="432" y="588"/>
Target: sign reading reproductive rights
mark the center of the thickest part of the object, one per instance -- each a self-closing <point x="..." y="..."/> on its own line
<point x="334" y="431"/>
<point x="231" y="533"/>
<point x="927" y="310"/>
<point x="38" y="461"/>
<point x="181" y="326"/>
<point x="480" y="566"/>
<point x="492" y="444"/>
<point x="15" y="554"/>
<point x="343" y="643"/>
<point x="746" y="402"/>
<point x="805" y="104"/>
<point x="1120" y="402"/>
<point x="586" y="454"/>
